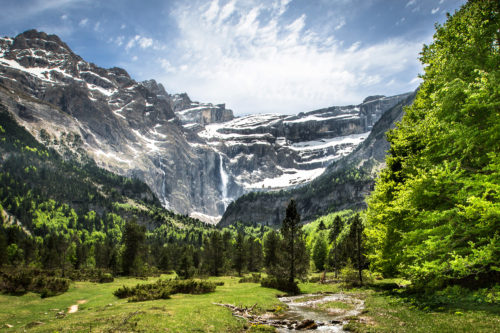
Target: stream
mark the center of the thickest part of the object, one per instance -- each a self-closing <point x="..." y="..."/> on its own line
<point x="311" y="312"/>
<point x="305" y="313"/>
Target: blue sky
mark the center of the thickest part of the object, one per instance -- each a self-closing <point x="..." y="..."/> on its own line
<point x="284" y="56"/>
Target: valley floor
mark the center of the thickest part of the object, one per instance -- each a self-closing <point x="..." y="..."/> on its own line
<point x="98" y="310"/>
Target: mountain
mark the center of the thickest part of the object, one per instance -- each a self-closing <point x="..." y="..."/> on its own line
<point x="344" y="185"/>
<point x="196" y="157"/>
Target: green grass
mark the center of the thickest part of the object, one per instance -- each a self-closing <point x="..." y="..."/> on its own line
<point x="104" y="312"/>
<point x="336" y="305"/>
<point x="391" y="314"/>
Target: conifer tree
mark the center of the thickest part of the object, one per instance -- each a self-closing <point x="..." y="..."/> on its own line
<point x="294" y="256"/>
<point x="239" y="253"/>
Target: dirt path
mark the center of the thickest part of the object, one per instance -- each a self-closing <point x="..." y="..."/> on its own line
<point x="74" y="307"/>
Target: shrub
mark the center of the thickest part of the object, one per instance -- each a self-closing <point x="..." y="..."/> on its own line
<point x="350" y="275"/>
<point x="254" y="278"/>
<point x="280" y="284"/>
<point x="90" y="274"/>
<point x="162" y="289"/>
<point x="106" y="278"/>
<point x="22" y="280"/>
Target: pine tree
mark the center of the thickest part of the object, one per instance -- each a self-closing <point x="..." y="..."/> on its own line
<point x="239" y="256"/>
<point x="356" y="236"/>
<point x="133" y="240"/>
<point x="294" y="258"/>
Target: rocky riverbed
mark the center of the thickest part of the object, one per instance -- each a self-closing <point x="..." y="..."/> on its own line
<point x="322" y="312"/>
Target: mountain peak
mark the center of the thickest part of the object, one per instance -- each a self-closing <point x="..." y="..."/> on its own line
<point x="35" y="39"/>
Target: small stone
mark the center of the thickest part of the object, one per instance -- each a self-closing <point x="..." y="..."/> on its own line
<point x="9" y="325"/>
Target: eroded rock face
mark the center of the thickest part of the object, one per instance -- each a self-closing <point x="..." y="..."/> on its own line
<point x="196" y="157"/>
<point x="272" y="151"/>
<point x="344" y="185"/>
<point x="126" y="126"/>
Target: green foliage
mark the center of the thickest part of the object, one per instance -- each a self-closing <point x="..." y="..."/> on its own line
<point x="435" y="213"/>
<point x="319" y="253"/>
<point x="252" y="278"/>
<point x="272" y="241"/>
<point x="292" y="257"/>
<point x="133" y="238"/>
<point x="21" y="280"/>
<point x="162" y="289"/>
<point x="280" y="283"/>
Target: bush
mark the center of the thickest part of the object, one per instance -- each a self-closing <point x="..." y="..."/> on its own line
<point x="90" y="274"/>
<point x="106" y="278"/>
<point x="254" y="278"/>
<point x="22" y="280"/>
<point x="280" y="284"/>
<point x="162" y="289"/>
<point x="350" y="275"/>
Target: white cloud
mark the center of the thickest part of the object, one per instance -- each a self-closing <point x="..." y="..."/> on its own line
<point x="143" y="43"/>
<point x="340" y="24"/>
<point x="434" y="10"/>
<point x="83" y="22"/>
<point x="64" y="17"/>
<point x="257" y="60"/>
<point x="118" y="40"/>
<point x="411" y="3"/>
<point x="97" y="26"/>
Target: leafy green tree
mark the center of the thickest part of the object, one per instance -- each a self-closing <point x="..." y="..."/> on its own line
<point x="434" y="216"/>
<point x="254" y="257"/>
<point x="333" y="237"/>
<point x="319" y="253"/>
<point x="272" y="243"/>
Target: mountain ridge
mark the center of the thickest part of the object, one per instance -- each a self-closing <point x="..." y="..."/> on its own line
<point x="196" y="157"/>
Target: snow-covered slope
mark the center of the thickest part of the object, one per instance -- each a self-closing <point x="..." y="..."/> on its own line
<point x="272" y="151"/>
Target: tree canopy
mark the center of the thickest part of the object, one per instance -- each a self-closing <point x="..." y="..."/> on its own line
<point x="435" y="213"/>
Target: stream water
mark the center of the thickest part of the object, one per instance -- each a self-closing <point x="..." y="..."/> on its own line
<point x="308" y="307"/>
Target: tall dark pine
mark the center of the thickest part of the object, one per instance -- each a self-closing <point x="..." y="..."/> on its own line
<point x="357" y="234"/>
<point x="239" y="253"/>
<point x="133" y="239"/>
<point x="295" y="257"/>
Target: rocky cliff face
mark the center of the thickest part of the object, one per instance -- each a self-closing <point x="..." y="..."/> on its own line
<point x="272" y="151"/>
<point x="344" y="185"/>
<point x="127" y="127"/>
<point x="197" y="157"/>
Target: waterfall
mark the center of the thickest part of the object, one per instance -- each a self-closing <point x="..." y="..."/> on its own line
<point x="224" y="182"/>
<point x="163" y="198"/>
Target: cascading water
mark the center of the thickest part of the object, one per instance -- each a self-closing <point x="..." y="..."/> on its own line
<point x="224" y="182"/>
<point x="163" y="198"/>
